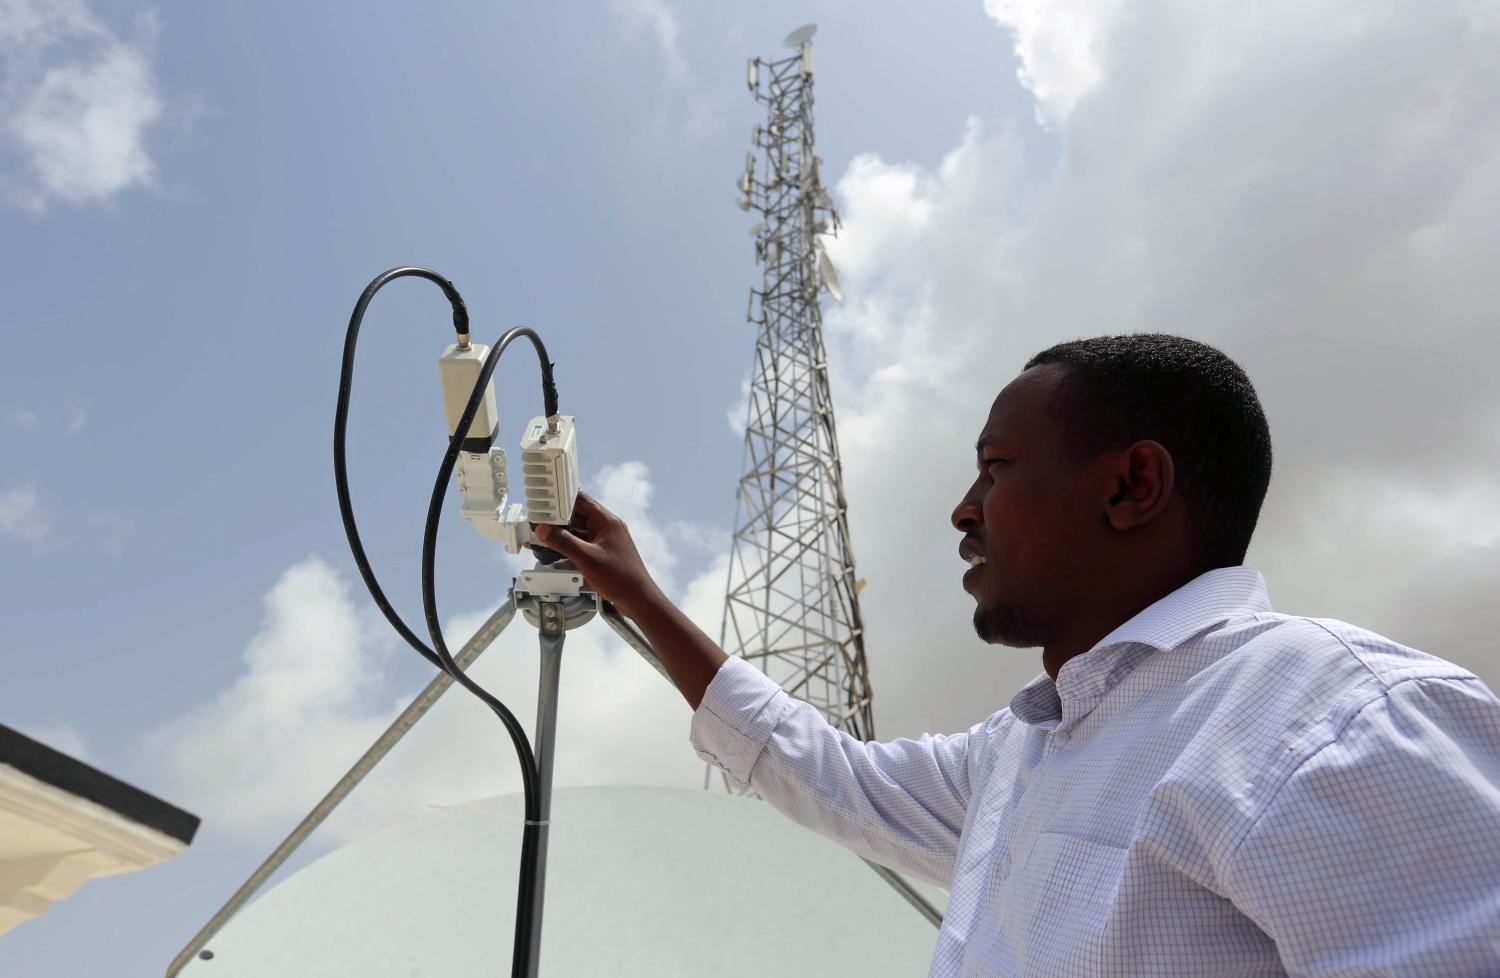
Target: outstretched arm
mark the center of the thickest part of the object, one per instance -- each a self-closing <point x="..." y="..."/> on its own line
<point x="902" y="803"/>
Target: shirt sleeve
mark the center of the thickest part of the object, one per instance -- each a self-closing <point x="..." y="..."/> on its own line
<point x="901" y="804"/>
<point x="1380" y="854"/>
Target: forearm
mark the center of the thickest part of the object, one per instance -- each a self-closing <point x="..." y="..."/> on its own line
<point x="690" y="657"/>
<point x="901" y="803"/>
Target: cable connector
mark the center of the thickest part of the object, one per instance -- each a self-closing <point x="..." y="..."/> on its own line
<point x="549" y="389"/>
<point x="460" y="313"/>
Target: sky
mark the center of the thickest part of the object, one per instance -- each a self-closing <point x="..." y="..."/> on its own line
<point x="192" y="196"/>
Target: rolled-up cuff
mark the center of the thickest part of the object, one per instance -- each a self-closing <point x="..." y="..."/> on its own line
<point x="735" y="720"/>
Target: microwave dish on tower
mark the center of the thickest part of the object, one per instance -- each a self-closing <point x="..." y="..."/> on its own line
<point x="800" y="36"/>
<point x="828" y="276"/>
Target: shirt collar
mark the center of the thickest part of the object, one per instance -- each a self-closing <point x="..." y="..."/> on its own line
<point x="1207" y="600"/>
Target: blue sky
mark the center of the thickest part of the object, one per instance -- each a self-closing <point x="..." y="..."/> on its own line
<point x="177" y="281"/>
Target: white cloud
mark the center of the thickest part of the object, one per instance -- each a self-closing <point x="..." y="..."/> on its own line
<point x="1058" y="45"/>
<point x="309" y="699"/>
<point x="76" y="103"/>
<point x="660" y="21"/>
<point x="315" y="692"/>
<point x="737" y="415"/>
<point x="687" y="111"/>
<point x="1420" y="565"/>
<point x="23" y="517"/>
<point x="626" y="491"/>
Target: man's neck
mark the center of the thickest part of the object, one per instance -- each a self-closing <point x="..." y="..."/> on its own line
<point x="1106" y="614"/>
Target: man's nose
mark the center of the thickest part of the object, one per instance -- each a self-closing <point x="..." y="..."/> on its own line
<point x="967" y="515"/>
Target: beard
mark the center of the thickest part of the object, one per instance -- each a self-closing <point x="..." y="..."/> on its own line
<point x="1008" y="625"/>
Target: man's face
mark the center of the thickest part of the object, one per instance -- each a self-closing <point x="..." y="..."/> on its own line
<point x="1029" y="522"/>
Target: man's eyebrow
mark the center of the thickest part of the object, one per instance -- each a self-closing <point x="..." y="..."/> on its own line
<point x="988" y="441"/>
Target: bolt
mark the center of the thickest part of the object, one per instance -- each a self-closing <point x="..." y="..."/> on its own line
<point x="206" y="955"/>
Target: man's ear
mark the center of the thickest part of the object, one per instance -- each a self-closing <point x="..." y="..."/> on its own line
<point x="1140" y="485"/>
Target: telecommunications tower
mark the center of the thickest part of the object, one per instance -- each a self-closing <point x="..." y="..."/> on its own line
<point x="792" y="605"/>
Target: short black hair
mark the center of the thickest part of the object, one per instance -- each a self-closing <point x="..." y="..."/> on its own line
<point x="1191" y="398"/>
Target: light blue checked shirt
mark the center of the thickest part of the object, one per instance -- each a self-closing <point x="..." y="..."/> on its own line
<point x="1212" y="790"/>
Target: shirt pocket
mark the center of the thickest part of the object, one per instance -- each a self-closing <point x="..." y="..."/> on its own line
<point x="1053" y="916"/>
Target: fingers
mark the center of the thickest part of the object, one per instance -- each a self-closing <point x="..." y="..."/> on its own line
<point x="563" y="541"/>
<point x="586" y="504"/>
<point x="592" y="510"/>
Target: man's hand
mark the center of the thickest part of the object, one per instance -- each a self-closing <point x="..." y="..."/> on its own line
<point x="598" y="543"/>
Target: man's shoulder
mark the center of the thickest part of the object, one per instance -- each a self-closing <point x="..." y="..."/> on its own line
<point x="1271" y="691"/>
<point x="1300" y="647"/>
<point x="1292" y="684"/>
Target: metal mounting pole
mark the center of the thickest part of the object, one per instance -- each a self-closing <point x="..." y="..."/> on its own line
<point x="551" y="636"/>
<point x="908" y="893"/>
<point x="633" y="638"/>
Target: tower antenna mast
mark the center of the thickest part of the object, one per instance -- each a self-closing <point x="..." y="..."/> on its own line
<point x="792" y="602"/>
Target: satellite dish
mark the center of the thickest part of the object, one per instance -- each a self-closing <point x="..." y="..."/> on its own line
<point x="757" y="228"/>
<point x="743" y="182"/>
<point x="424" y="895"/>
<point x="829" y="276"/>
<point x="823" y="200"/>
<point x="752" y="74"/>
<point x="743" y="205"/>
<point x="800" y="36"/>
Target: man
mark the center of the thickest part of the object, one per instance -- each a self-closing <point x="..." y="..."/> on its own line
<point x="1197" y="785"/>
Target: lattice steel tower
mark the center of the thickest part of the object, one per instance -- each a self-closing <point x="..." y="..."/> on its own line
<point x="792" y="605"/>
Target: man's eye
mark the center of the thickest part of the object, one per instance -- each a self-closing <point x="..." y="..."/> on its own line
<point x="995" y="461"/>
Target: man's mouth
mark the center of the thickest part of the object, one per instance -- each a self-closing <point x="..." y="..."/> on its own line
<point x="970" y="553"/>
